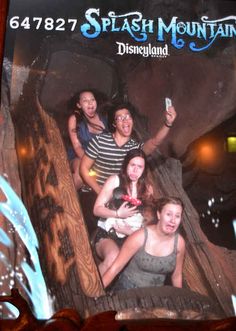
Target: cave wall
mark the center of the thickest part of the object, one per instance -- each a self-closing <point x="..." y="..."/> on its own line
<point x="201" y="89"/>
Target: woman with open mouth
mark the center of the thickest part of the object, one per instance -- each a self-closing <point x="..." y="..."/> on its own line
<point x="152" y="253"/>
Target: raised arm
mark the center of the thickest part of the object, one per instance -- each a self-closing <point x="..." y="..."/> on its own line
<point x="74" y="137"/>
<point x="128" y="249"/>
<point x="85" y="166"/>
<point x="177" y="275"/>
<point x="151" y="144"/>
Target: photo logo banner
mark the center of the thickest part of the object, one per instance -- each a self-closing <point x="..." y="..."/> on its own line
<point x="197" y="36"/>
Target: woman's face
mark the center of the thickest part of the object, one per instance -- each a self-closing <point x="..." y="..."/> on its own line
<point x="135" y="168"/>
<point x="88" y="104"/>
<point x="169" y="218"/>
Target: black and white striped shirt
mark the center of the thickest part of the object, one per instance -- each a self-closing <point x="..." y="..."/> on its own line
<point x="108" y="155"/>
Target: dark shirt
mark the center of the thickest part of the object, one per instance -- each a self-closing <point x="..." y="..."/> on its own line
<point x="146" y="270"/>
<point x="84" y="136"/>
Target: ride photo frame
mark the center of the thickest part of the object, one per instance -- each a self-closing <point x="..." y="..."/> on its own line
<point x="132" y="51"/>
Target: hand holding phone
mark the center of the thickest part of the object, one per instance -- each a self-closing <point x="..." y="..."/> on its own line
<point x="168" y="103"/>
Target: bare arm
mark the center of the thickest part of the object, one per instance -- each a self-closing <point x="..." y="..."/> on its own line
<point x="85" y="166"/>
<point x="74" y="137"/>
<point x="151" y="144"/>
<point x="101" y="209"/>
<point x="176" y="276"/>
<point x="105" y="196"/>
<point x="129" y="248"/>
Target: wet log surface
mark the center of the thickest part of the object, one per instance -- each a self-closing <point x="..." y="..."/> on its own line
<point x="161" y="302"/>
<point x="70" y="320"/>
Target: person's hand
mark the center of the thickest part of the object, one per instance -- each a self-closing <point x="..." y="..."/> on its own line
<point x="123" y="228"/>
<point x="125" y="211"/>
<point x="170" y="115"/>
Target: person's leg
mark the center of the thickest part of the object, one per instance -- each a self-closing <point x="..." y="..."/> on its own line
<point x="107" y="250"/>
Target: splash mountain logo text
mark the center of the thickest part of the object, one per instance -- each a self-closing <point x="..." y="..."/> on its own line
<point x="197" y="36"/>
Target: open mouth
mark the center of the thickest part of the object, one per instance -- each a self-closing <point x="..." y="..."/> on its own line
<point x="91" y="112"/>
<point x="126" y="128"/>
<point x="133" y="177"/>
<point x="170" y="227"/>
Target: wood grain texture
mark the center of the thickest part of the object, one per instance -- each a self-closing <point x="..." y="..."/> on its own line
<point x="51" y="197"/>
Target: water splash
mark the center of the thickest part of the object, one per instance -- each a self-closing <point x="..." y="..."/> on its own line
<point x="4" y="239"/>
<point x="14" y="210"/>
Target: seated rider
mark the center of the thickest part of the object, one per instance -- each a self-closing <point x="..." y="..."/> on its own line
<point x="105" y="153"/>
<point x="152" y="253"/>
<point x="121" y="206"/>
<point x="86" y="121"/>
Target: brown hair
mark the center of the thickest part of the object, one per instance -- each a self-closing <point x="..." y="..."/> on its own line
<point x="168" y="199"/>
<point x="142" y="185"/>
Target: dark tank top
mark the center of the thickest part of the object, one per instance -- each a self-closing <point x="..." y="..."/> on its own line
<point x="146" y="270"/>
<point x="85" y="135"/>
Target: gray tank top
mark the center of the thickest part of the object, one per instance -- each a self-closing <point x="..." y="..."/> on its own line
<point x="148" y="270"/>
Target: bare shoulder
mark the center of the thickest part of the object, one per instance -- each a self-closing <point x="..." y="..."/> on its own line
<point x="112" y="180"/>
<point x="72" y="119"/>
<point x="136" y="238"/>
<point x="181" y="243"/>
<point x="110" y="184"/>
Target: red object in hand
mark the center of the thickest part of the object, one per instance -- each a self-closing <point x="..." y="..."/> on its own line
<point x="133" y="201"/>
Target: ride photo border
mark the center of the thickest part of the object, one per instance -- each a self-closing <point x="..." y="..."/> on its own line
<point x="139" y="52"/>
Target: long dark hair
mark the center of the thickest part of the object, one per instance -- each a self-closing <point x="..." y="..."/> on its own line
<point x="142" y="185"/>
<point x="101" y="100"/>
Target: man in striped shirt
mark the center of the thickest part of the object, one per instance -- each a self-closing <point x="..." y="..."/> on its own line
<point x="105" y="153"/>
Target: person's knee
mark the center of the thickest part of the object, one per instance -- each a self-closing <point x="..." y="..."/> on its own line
<point x="107" y="250"/>
<point x="107" y="262"/>
<point x="111" y="256"/>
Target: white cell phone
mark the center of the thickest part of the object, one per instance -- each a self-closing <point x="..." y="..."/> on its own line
<point x="168" y="103"/>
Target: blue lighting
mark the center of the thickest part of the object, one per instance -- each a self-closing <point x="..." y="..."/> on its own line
<point x="14" y="210"/>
